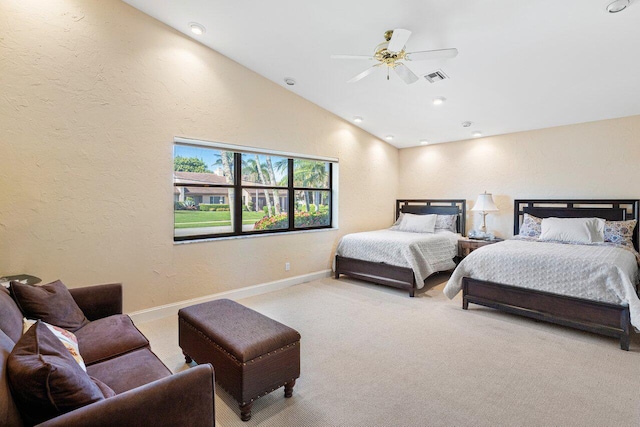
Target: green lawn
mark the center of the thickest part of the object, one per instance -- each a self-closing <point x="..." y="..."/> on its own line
<point x="192" y="219"/>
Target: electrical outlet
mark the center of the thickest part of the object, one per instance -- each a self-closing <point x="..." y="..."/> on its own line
<point x="287" y="266"/>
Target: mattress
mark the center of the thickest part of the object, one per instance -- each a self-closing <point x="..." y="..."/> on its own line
<point x="600" y="272"/>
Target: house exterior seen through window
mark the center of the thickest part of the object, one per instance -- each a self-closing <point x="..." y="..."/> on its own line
<point x="222" y="190"/>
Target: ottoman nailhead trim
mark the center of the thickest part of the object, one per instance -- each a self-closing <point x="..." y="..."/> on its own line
<point x="236" y="361"/>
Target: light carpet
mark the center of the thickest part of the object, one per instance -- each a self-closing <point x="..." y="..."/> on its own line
<point x="372" y="356"/>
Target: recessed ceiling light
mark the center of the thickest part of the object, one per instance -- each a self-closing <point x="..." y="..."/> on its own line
<point x="617" y="6"/>
<point x="476" y="134"/>
<point x="389" y="137"/>
<point x="197" y="29"/>
<point x="289" y="81"/>
<point x="466" y="124"/>
<point x="439" y="100"/>
<point x="424" y="142"/>
<point x="357" y="119"/>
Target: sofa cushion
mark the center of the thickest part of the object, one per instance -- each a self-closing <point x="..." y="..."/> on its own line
<point x="9" y="414"/>
<point x="11" y="317"/>
<point x="51" y="303"/>
<point x="109" y="337"/>
<point x="130" y="370"/>
<point x="45" y="380"/>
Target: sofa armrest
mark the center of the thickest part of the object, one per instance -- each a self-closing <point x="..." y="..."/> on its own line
<point x="183" y="399"/>
<point x="99" y="301"/>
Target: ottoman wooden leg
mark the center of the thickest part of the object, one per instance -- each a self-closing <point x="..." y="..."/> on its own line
<point x="245" y="411"/>
<point x="187" y="358"/>
<point x="288" y="388"/>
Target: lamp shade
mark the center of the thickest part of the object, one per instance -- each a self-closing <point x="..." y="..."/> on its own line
<point x="485" y="203"/>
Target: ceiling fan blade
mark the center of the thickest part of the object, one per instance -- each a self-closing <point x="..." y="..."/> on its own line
<point x="405" y="73"/>
<point x="398" y="40"/>
<point x="352" y="57"/>
<point x="364" y="74"/>
<point x="432" y="54"/>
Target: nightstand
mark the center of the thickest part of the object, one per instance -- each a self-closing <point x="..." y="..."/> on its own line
<point x="466" y="246"/>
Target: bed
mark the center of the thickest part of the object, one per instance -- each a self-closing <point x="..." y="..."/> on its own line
<point x="356" y="253"/>
<point x="590" y="287"/>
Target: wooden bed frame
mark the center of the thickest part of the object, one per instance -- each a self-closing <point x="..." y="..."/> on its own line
<point x="593" y="316"/>
<point x="391" y="275"/>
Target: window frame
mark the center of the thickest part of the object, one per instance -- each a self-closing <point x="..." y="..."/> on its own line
<point x="238" y="188"/>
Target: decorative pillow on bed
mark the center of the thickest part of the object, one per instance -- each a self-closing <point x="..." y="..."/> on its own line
<point x="620" y="232"/>
<point x="531" y="226"/>
<point x="581" y="230"/>
<point x="418" y="223"/>
<point x="446" y="222"/>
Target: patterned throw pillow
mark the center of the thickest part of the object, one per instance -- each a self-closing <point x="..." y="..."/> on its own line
<point x="68" y="339"/>
<point x="620" y="232"/>
<point x="531" y="226"/>
<point x="446" y="222"/>
<point x="45" y="380"/>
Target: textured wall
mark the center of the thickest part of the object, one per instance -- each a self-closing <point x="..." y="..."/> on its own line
<point x="92" y="94"/>
<point x="589" y="160"/>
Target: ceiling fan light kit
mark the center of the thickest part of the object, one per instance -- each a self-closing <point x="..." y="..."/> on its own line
<point x="392" y="54"/>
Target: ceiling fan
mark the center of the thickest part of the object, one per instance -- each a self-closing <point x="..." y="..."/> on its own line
<point x="392" y="54"/>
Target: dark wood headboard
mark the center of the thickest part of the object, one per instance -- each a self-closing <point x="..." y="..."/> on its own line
<point x="612" y="210"/>
<point x="435" y="206"/>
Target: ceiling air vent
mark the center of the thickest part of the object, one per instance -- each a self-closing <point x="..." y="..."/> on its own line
<point x="436" y="76"/>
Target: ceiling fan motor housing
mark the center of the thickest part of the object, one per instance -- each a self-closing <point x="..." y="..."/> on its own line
<point x="387" y="57"/>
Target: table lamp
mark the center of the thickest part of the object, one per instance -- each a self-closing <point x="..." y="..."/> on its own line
<point x="484" y="204"/>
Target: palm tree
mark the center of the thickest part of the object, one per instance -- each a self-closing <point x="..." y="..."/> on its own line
<point x="225" y="158"/>
<point x="272" y="178"/>
<point x="254" y="170"/>
<point x="309" y="173"/>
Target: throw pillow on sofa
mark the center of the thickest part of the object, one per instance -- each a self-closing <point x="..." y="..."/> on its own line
<point x="45" y="380"/>
<point x="67" y="338"/>
<point x="51" y="303"/>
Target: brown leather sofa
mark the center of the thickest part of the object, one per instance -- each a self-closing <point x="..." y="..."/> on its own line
<point x="118" y="354"/>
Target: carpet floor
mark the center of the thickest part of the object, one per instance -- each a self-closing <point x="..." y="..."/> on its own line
<point x="372" y="356"/>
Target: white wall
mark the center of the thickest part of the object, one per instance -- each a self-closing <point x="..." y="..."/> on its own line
<point x="589" y="160"/>
<point x="93" y="93"/>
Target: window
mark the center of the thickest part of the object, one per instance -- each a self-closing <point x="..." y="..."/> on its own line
<point x="222" y="190"/>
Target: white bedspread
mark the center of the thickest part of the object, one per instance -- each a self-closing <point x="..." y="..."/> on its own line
<point x="599" y="272"/>
<point x="424" y="253"/>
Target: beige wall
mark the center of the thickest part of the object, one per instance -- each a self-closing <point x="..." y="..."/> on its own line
<point x="589" y="160"/>
<point x="92" y="93"/>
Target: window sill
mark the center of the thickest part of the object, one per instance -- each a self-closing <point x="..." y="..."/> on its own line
<point x="251" y="236"/>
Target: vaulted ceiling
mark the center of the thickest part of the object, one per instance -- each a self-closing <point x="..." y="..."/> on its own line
<point x="522" y="65"/>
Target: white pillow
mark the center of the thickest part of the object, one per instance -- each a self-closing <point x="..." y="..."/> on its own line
<point x="398" y="221"/>
<point x="418" y="223"/>
<point x="583" y="230"/>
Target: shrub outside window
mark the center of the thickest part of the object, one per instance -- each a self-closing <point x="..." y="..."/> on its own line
<point x="222" y="191"/>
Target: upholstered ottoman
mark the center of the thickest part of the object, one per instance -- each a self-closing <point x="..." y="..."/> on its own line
<point x="252" y="354"/>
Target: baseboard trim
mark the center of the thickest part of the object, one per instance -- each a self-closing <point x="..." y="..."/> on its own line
<point x="249" y="291"/>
